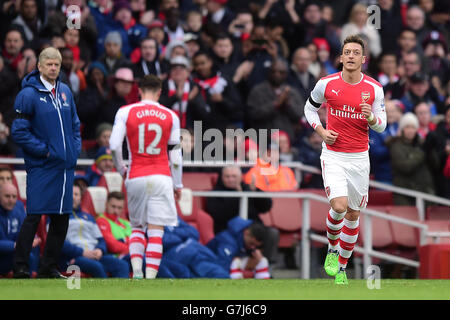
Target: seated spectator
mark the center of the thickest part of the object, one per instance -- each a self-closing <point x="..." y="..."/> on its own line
<point x="409" y="163"/>
<point x="288" y="153"/>
<point x="102" y="134"/>
<point x="193" y="44"/>
<point x="76" y="78"/>
<point x="27" y="63"/>
<point x="378" y="142"/>
<point x="275" y="30"/>
<point x="387" y="69"/>
<point x="225" y="55"/>
<point x="219" y="14"/>
<point x="8" y="91"/>
<point x="92" y="99"/>
<point x="149" y="62"/>
<point x="12" y="214"/>
<point x="121" y="91"/>
<point x="299" y="76"/>
<point x="81" y="181"/>
<point x="182" y="95"/>
<point x="7" y="146"/>
<point x="406" y="42"/>
<point x="122" y="14"/>
<point x="85" y="247"/>
<point x="173" y="26"/>
<point x="219" y="92"/>
<point x="420" y="89"/>
<point x="270" y="175"/>
<point x="194" y="22"/>
<point x="6" y="175"/>
<point x="185" y="257"/>
<point x="103" y="163"/>
<point x="156" y="31"/>
<point x="310" y="149"/>
<point x="423" y="114"/>
<point x="323" y="53"/>
<point x="113" y="58"/>
<point x="12" y="46"/>
<point x="28" y="20"/>
<point x="435" y="51"/>
<point x="175" y="48"/>
<point x="71" y="39"/>
<point x="115" y="230"/>
<point x="437" y="147"/>
<point x="358" y="25"/>
<point x="273" y="103"/>
<point x="238" y="248"/>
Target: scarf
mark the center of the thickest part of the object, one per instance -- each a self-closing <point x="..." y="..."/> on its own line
<point x="211" y="85"/>
<point x="180" y="108"/>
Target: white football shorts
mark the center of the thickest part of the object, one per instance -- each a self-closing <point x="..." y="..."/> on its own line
<point x="346" y="175"/>
<point x="151" y="201"/>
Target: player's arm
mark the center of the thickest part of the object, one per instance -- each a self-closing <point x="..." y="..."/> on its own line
<point x="376" y="114"/>
<point x="175" y="155"/>
<point x="312" y="106"/>
<point x="116" y="140"/>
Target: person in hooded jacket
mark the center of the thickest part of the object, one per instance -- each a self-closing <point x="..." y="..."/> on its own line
<point x="47" y="128"/>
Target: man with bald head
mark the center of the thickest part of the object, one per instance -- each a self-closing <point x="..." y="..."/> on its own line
<point x="299" y="76"/>
<point x="12" y="214"/>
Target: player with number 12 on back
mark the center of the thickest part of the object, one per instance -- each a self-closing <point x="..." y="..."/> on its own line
<point x="355" y="103"/>
<point x="153" y="177"/>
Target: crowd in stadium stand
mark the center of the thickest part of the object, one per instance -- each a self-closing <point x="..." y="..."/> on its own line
<point x="240" y="64"/>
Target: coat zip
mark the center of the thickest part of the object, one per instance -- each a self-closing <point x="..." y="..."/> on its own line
<point x="57" y="106"/>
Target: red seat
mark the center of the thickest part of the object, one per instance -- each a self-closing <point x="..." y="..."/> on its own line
<point x="113" y="181"/>
<point x="380" y="197"/>
<point x="93" y="200"/>
<point x="318" y="210"/>
<point x="404" y="235"/>
<point x="382" y="236"/>
<point x="286" y="215"/>
<point x="191" y="213"/>
<point x="88" y="144"/>
<point x="199" y="181"/>
<point x="438" y="213"/>
<point x="20" y="182"/>
<point x="438" y="226"/>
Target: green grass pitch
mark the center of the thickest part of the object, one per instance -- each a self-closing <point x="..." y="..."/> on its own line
<point x="214" y="289"/>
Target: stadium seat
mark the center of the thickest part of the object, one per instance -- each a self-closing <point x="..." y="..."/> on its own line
<point x="94" y="200"/>
<point x="380" y="197"/>
<point x="438" y="226"/>
<point x="20" y="177"/>
<point x="88" y="144"/>
<point x="199" y="181"/>
<point x="382" y="237"/>
<point x="188" y="208"/>
<point x="405" y="236"/>
<point x="286" y="215"/>
<point x="318" y="210"/>
<point x="113" y="181"/>
<point x="438" y="213"/>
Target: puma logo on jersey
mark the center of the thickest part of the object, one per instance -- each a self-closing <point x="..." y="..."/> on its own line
<point x="336" y="92"/>
<point x="43" y="99"/>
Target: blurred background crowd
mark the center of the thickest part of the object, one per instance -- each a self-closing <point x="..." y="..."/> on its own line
<point x="244" y="64"/>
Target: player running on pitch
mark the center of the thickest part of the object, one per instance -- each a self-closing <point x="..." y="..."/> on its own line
<point x="153" y="137"/>
<point x="354" y="102"/>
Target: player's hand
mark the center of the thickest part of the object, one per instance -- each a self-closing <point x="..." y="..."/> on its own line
<point x="98" y="254"/>
<point x="329" y="136"/>
<point x="177" y="194"/>
<point x="366" y="110"/>
<point x="37" y="241"/>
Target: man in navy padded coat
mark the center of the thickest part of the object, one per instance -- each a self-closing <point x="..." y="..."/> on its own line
<point x="47" y="128"/>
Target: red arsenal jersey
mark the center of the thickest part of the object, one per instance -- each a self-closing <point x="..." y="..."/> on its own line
<point x="344" y="115"/>
<point x="149" y="128"/>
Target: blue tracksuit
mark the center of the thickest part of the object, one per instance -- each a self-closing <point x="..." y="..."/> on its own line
<point x="47" y="125"/>
<point x="84" y="234"/>
<point x="230" y="243"/>
<point x="185" y="257"/>
<point x="10" y="223"/>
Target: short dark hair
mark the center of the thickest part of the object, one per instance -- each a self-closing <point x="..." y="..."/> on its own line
<point x="150" y="82"/>
<point x="115" y="195"/>
<point x="354" y="39"/>
<point x="258" y="231"/>
<point x="8" y="170"/>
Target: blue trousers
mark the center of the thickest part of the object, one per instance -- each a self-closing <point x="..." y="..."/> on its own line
<point x="100" y="268"/>
<point x="7" y="261"/>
